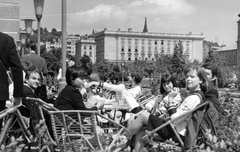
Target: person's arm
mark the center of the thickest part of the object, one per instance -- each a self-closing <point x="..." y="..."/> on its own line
<point x="188" y="104"/>
<point x="77" y="102"/>
<point x="16" y="69"/>
<point x="105" y="85"/>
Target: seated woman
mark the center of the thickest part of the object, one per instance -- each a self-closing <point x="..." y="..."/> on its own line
<point x="197" y="83"/>
<point x="167" y="85"/>
<point x="122" y="94"/>
<point x="70" y="97"/>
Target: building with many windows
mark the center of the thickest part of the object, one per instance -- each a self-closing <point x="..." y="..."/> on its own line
<point x="86" y="46"/>
<point x="57" y="43"/>
<point x="127" y="46"/>
<point x="9" y="19"/>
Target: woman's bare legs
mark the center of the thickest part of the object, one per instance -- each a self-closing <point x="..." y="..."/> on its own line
<point x="137" y="124"/>
<point x="138" y="144"/>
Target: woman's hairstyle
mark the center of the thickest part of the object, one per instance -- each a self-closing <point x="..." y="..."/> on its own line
<point x="207" y="84"/>
<point x="166" y="78"/>
<point x="74" y="72"/>
<point x="137" y="78"/>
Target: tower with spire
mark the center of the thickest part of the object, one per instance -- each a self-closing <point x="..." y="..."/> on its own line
<point x="145" y="29"/>
<point x="238" y="42"/>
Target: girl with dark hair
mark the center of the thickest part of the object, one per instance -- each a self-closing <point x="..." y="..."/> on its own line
<point x="197" y="84"/>
<point x="70" y="97"/>
<point x="167" y="85"/>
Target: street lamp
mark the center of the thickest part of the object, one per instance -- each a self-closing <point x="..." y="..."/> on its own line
<point x="38" y="5"/>
<point x="62" y="82"/>
<point x="18" y="44"/>
<point x="23" y="36"/>
<point x="123" y="72"/>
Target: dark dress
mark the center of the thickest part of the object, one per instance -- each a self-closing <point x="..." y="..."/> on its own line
<point x="71" y="99"/>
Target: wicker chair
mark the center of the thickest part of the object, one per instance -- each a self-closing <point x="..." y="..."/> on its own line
<point x="40" y="128"/>
<point x="193" y="116"/>
<point x="77" y="130"/>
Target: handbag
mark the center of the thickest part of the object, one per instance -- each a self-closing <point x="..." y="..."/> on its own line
<point x="10" y="81"/>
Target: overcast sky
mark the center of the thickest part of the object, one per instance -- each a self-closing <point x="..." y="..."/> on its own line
<point x="216" y="19"/>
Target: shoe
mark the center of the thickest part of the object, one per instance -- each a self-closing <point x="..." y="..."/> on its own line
<point x="121" y="142"/>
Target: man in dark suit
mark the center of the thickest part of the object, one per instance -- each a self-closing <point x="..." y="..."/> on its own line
<point x="34" y="59"/>
<point x="9" y="60"/>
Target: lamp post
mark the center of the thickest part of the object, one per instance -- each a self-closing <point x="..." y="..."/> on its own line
<point x="123" y="72"/>
<point x="18" y="44"/>
<point x="62" y="82"/>
<point x="23" y="36"/>
<point x="38" y="5"/>
<point x="28" y="26"/>
<point x="28" y="30"/>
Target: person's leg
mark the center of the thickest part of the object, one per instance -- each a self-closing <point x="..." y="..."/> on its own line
<point x="137" y="124"/>
<point x="2" y="107"/>
<point x="138" y="144"/>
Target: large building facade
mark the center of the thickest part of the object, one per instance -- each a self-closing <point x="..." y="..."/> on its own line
<point x="86" y="46"/>
<point x="130" y="46"/>
<point x="9" y="19"/>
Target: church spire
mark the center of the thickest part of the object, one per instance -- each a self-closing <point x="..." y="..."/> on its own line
<point x="145" y="30"/>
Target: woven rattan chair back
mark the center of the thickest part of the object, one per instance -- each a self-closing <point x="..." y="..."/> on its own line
<point x="39" y="124"/>
<point x="75" y="130"/>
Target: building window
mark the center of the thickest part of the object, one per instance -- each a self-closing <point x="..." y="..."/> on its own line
<point x="129" y="41"/>
<point x="168" y="49"/>
<point x="129" y="59"/>
<point x="149" y="42"/>
<point x="90" y="54"/>
<point x="122" y="40"/>
<point x="155" y="42"/>
<point x="143" y="41"/>
<point x="136" y="50"/>
<point x="175" y="42"/>
<point x="152" y="59"/>
<point x="187" y="43"/>
<point x="162" y="42"/>
<point x="122" y="48"/>
<point x="129" y="48"/>
<point x="142" y="48"/>
<point x="84" y="47"/>
<point x="136" y="59"/>
<point x="85" y="53"/>
<point x="68" y="43"/>
<point x="168" y="42"/>
<point x="149" y="48"/>
<point x="136" y="41"/>
<point x="90" y="48"/>
<point x="68" y="47"/>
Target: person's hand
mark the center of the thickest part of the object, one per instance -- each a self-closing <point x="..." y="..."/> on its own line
<point x="100" y="104"/>
<point x="17" y="101"/>
<point x="174" y="92"/>
<point x="91" y="84"/>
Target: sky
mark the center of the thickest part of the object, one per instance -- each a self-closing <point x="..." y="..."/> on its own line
<point x="216" y="19"/>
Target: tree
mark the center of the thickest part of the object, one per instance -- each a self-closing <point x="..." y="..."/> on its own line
<point x="178" y="59"/>
<point x="45" y="31"/>
<point x="86" y="64"/>
<point x="54" y="32"/>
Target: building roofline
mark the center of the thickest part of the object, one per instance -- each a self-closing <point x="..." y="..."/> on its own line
<point x="149" y="34"/>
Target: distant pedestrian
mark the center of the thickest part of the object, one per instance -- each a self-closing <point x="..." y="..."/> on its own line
<point x="36" y="60"/>
<point x="9" y="60"/>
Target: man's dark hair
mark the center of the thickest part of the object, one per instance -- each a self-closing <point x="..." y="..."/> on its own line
<point x="138" y="78"/>
<point x="29" y="70"/>
<point x="211" y="67"/>
<point x="33" y="46"/>
<point x="51" y="74"/>
<point x="74" y="72"/>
